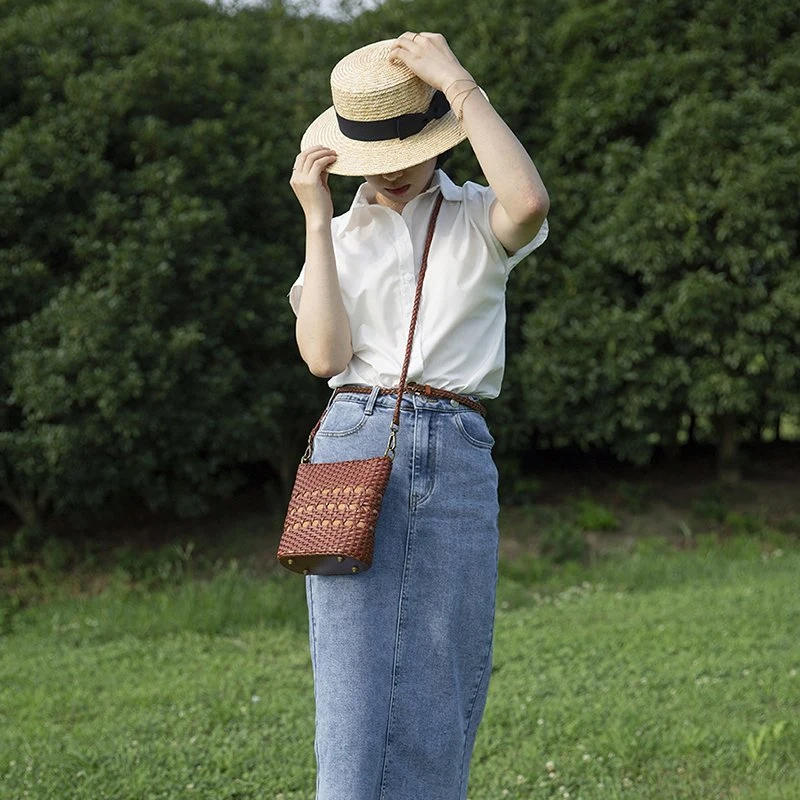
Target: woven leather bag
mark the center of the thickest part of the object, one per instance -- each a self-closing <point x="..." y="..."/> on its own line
<point x="334" y="507"/>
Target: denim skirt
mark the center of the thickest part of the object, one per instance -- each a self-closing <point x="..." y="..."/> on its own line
<point x="402" y="653"/>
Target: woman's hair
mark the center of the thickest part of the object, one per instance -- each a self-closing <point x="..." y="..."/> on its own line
<point x="442" y="158"/>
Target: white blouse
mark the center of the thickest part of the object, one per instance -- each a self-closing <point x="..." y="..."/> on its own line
<point x="459" y="341"/>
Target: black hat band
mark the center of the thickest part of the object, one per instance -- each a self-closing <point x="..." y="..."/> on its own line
<point x="397" y="127"/>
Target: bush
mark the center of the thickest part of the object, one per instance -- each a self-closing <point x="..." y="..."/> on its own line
<point x="638" y="496"/>
<point x="744" y="523"/>
<point x="563" y="541"/>
<point x="790" y="524"/>
<point x="595" y="517"/>
<point x="710" y="508"/>
<point x="27" y="542"/>
<point x="57" y="554"/>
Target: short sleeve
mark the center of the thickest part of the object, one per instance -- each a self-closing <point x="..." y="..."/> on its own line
<point x="485" y="195"/>
<point x="296" y="291"/>
<point x="527" y="249"/>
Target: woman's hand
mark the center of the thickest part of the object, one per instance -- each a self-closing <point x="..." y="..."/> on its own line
<point x="430" y="58"/>
<point x="309" y="182"/>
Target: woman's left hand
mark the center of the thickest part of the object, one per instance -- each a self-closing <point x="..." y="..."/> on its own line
<point x="429" y="57"/>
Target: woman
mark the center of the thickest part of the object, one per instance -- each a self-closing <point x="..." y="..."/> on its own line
<point x="402" y="653"/>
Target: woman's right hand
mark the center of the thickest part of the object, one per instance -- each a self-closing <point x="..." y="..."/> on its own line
<point x="309" y="182"/>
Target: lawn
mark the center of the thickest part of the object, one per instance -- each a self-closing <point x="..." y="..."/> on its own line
<point x="659" y="673"/>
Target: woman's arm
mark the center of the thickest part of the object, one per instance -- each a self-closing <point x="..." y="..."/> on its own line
<point x="322" y="328"/>
<point x="522" y="200"/>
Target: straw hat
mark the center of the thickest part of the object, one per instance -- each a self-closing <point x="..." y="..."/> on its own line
<point x="391" y="118"/>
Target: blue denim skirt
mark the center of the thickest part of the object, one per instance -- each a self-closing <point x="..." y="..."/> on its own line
<point x="402" y="653"/>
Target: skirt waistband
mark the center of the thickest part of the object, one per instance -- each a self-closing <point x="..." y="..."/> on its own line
<point x="417" y="388"/>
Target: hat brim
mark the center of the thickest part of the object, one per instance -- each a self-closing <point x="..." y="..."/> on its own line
<point x="389" y="155"/>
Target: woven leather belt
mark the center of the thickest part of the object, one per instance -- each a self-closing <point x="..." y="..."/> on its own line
<point x="417" y="388"/>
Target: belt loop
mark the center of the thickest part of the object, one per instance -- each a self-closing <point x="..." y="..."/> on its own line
<point x="373" y="396"/>
<point x="330" y="400"/>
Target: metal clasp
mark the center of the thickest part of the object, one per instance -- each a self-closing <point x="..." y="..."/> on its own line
<point x="307" y="455"/>
<point x="392" y="443"/>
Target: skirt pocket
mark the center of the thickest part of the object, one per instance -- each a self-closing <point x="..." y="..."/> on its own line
<point x="474" y="430"/>
<point x="344" y="418"/>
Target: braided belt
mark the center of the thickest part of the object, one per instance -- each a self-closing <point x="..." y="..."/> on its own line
<point x="417" y="388"/>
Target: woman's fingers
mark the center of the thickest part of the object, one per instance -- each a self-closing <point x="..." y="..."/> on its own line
<point x="410" y="40"/>
<point x="402" y="51"/>
<point x="428" y="55"/>
<point x="307" y="157"/>
<point x="306" y="162"/>
<point x="309" y="181"/>
<point x="321" y="163"/>
<point x="405" y="44"/>
<point x="309" y="151"/>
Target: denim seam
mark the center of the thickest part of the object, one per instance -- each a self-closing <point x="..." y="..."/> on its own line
<point x="399" y="629"/>
<point x="485" y="664"/>
<point x="432" y="450"/>
<point x="314" y="666"/>
<point x="486" y="660"/>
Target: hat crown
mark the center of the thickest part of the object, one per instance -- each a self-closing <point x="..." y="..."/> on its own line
<point x="366" y="86"/>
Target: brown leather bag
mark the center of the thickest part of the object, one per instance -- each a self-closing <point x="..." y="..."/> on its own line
<point x="334" y="507"/>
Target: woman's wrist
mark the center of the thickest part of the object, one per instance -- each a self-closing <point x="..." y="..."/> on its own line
<point x="458" y="92"/>
<point x="318" y="224"/>
<point x="455" y="83"/>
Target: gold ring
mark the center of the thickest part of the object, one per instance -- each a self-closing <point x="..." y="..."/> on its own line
<point x="414" y="36"/>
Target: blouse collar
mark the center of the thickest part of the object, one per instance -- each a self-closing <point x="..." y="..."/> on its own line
<point x="441" y="181"/>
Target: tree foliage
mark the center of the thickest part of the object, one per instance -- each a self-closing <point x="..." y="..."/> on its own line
<point x="674" y="256"/>
<point x="149" y="235"/>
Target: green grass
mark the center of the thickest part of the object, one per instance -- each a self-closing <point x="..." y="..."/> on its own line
<point x="660" y="675"/>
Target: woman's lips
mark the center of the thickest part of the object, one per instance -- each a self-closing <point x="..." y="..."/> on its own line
<point x="400" y="190"/>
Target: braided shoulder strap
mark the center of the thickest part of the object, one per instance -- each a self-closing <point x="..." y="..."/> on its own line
<point x="395" y="426"/>
<point x="415" y="310"/>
